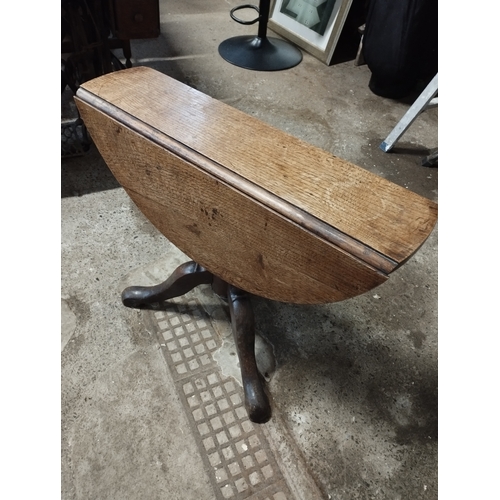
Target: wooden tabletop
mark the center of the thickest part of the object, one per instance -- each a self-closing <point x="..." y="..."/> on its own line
<point x="366" y="216"/>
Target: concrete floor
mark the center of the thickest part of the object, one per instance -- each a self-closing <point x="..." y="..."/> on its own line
<point x="353" y="384"/>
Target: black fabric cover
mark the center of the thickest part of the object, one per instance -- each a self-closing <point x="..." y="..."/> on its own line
<point x="400" y="45"/>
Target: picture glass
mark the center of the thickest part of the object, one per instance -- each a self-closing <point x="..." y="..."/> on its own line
<point x="313" y="14"/>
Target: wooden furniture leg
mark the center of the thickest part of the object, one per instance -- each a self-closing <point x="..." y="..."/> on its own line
<point x="242" y="321"/>
<point x="185" y="278"/>
<point x="181" y="281"/>
<point x="127" y="52"/>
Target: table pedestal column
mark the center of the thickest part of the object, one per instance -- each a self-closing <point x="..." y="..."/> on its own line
<point x="185" y="278"/>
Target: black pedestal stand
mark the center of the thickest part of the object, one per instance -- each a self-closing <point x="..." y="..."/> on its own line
<point x="259" y="53"/>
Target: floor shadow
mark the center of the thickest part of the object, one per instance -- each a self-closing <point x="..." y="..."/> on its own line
<point x="409" y="149"/>
<point x="370" y="375"/>
<point x="86" y="174"/>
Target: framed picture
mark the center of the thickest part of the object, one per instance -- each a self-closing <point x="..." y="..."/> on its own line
<point x="313" y="25"/>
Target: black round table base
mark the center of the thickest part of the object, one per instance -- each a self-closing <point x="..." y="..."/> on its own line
<point x="261" y="54"/>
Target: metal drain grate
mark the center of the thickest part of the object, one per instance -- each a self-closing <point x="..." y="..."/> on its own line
<point x="235" y="451"/>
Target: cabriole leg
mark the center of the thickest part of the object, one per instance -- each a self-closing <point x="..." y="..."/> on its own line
<point x="182" y="280"/>
<point x="185" y="278"/>
<point x="242" y="320"/>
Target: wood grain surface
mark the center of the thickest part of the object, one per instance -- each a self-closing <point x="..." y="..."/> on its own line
<point x="233" y="236"/>
<point x="262" y="210"/>
<point x="384" y="216"/>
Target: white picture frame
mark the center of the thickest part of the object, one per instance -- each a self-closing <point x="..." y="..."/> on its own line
<point x="313" y="25"/>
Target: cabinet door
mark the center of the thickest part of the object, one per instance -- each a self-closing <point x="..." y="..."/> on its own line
<point x="133" y="19"/>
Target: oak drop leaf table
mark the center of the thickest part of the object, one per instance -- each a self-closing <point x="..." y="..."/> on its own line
<point x="258" y="210"/>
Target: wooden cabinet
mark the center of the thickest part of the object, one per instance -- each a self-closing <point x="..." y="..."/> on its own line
<point x="92" y="29"/>
<point x="135" y="19"/>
